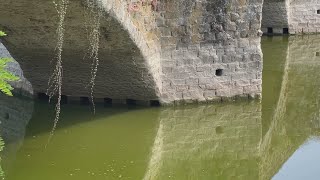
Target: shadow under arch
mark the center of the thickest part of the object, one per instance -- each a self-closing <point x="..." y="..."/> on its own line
<point x="127" y="69"/>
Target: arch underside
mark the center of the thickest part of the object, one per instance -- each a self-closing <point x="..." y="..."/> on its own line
<point x="291" y="16"/>
<point x="31" y="27"/>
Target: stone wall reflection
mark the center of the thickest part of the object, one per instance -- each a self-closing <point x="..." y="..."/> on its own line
<point x="303" y="96"/>
<point x="238" y="141"/>
<point x="15" y="113"/>
<point x="207" y="142"/>
<point x="295" y="118"/>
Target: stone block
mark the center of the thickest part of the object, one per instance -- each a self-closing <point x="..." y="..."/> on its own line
<point x="225" y="92"/>
<point x="242" y="82"/>
<point x="192" y="81"/>
<point x="256" y="82"/>
<point x="252" y="89"/>
<point x="214" y="86"/>
<point x="166" y="70"/>
<point x="194" y="95"/>
<point x="185" y="62"/>
<point x="203" y="68"/>
<point x="177" y="54"/>
<point x="210" y="94"/>
<point x="178" y="82"/>
<point x="205" y="80"/>
<point x="181" y="88"/>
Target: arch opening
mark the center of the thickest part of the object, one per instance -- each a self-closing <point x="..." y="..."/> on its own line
<point x="123" y="71"/>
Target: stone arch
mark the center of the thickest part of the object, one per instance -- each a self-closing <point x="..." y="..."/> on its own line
<point x="290" y="16"/>
<point x="170" y="55"/>
<point x="275" y="16"/>
<point x="129" y="61"/>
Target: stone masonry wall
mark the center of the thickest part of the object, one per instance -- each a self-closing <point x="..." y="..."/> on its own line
<point x="180" y="50"/>
<point x="210" y="49"/>
<point x="303" y="17"/>
<point x="141" y="26"/>
<point x="274" y="15"/>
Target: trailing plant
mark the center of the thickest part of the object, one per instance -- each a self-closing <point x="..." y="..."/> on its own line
<point x="6" y="76"/>
<point x="55" y="80"/>
<point x="94" y="13"/>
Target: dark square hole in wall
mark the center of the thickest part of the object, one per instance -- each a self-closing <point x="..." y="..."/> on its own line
<point x="270" y="30"/>
<point x="219" y="72"/>
<point x="154" y="103"/>
<point x="64" y="99"/>
<point x="317" y="53"/>
<point x="84" y="101"/>
<point x="318" y="11"/>
<point x="131" y="102"/>
<point x="285" y="31"/>
<point x="107" y="101"/>
<point x="43" y="97"/>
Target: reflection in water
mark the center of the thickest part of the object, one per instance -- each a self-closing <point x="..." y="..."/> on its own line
<point x="15" y="114"/>
<point x="243" y="140"/>
<point x="295" y="167"/>
<point x="114" y="143"/>
<point x="296" y="115"/>
<point x="190" y="145"/>
<point x="207" y="142"/>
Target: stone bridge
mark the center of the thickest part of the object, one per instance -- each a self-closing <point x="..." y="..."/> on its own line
<point x="202" y="141"/>
<point x="163" y="51"/>
<point x="175" y="51"/>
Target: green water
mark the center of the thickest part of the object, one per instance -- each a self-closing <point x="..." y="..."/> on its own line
<point x="277" y="138"/>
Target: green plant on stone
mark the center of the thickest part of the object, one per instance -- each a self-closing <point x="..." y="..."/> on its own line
<point x="2" y="34"/>
<point x="6" y="76"/>
<point x="5" y="88"/>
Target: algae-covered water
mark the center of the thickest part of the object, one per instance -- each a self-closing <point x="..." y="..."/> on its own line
<point x="275" y="138"/>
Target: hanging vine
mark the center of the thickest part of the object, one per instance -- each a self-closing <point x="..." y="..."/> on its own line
<point x="94" y="13"/>
<point x="55" y="80"/>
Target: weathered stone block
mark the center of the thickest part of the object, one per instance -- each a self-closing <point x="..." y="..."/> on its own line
<point x="180" y="88"/>
<point x="192" y="81"/>
<point x="209" y="94"/>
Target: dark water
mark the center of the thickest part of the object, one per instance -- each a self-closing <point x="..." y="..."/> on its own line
<point x="277" y="138"/>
